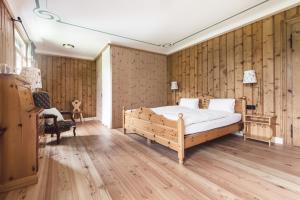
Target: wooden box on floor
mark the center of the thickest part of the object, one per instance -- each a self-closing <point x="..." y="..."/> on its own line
<point x="18" y="143"/>
<point x="259" y="127"/>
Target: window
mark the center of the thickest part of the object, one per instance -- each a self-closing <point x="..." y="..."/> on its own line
<point x="21" y="49"/>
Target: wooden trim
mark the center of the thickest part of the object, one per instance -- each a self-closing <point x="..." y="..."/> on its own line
<point x="19" y="183"/>
<point x="145" y="122"/>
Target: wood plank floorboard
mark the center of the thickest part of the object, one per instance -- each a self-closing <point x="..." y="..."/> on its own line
<point x="105" y="164"/>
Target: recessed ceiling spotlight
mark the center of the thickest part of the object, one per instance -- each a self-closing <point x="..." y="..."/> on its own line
<point x="69" y="46"/>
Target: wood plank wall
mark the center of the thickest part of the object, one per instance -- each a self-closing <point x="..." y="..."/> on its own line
<point x="67" y="79"/>
<point x="139" y="78"/>
<point x="215" y="67"/>
<point x="7" y="44"/>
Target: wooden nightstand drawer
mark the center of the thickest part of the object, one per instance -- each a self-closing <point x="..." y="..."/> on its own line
<point x="259" y="127"/>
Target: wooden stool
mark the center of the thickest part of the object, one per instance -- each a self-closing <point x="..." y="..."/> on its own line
<point x="76" y="110"/>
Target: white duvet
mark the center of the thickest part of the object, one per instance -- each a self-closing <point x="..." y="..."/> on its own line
<point x="198" y="120"/>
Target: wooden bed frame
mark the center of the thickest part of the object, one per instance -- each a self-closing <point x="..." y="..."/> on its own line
<point x="154" y="127"/>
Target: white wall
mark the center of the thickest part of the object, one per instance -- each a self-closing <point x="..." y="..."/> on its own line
<point x="106" y="88"/>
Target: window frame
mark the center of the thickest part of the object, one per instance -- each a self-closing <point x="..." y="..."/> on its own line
<point x="20" y="51"/>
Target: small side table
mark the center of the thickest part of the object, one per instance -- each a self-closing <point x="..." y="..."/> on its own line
<point x="259" y="127"/>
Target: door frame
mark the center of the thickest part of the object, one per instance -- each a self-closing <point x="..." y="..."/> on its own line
<point x="287" y="81"/>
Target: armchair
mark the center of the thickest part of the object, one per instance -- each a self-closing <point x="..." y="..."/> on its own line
<point x="42" y="100"/>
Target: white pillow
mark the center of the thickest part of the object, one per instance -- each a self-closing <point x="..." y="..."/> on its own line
<point x="192" y="103"/>
<point x="52" y="111"/>
<point x="226" y="105"/>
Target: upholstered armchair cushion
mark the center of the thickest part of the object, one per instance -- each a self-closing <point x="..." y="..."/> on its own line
<point x="61" y="125"/>
<point x="41" y="100"/>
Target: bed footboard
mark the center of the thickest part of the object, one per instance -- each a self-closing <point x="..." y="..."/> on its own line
<point x="154" y="127"/>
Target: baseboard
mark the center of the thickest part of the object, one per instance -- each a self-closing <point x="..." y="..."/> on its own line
<point x="275" y="140"/>
<point x="87" y="119"/>
<point x="19" y="183"/>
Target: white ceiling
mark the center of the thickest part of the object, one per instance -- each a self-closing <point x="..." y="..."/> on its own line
<point x="153" y="21"/>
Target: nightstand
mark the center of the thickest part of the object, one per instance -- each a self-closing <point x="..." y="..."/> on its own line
<point x="259" y="127"/>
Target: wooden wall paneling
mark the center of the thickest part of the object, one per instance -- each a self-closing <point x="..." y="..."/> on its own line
<point x="230" y="55"/>
<point x="137" y="83"/>
<point x="94" y="89"/>
<point x="7" y="44"/>
<point x="79" y="84"/>
<point x="278" y="27"/>
<point x="84" y="88"/>
<point x="187" y="72"/>
<point x="183" y="76"/>
<point x="68" y="79"/>
<point x="223" y="67"/>
<point x="238" y="63"/>
<point x="76" y="80"/>
<point x="205" y="68"/>
<point x="179" y="75"/>
<point x="199" y="71"/>
<point x="44" y="72"/>
<point x="63" y="84"/>
<point x="89" y="87"/>
<point x="169" y="79"/>
<point x="49" y="75"/>
<point x="261" y="46"/>
<point x="247" y="60"/>
<point x="192" y="72"/>
<point x="177" y="71"/>
<point x="68" y="96"/>
<point x="291" y="13"/>
<point x="59" y="83"/>
<point x="210" y="68"/>
<point x="257" y="65"/>
<point x="54" y="80"/>
<point x="268" y="66"/>
<point x="216" y="67"/>
<point x="195" y="70"/>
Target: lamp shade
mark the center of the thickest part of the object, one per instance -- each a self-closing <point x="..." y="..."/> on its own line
<point x="33" y="76"/>
<point x="174" y="85"/>
<point x="249" y="77"/>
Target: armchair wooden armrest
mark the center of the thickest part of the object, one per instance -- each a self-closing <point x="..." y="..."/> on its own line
<point x="68" y="113"/>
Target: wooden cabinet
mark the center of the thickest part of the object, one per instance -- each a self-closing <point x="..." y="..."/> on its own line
<point x="18" y="141"/>
<point x="259" y="127"/>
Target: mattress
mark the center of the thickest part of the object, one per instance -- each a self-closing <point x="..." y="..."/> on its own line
<point x="198" y="120"/>
<point x="217" y="123"/>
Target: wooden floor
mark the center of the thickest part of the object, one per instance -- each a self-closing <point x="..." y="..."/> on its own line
<point x="104" y="164"/>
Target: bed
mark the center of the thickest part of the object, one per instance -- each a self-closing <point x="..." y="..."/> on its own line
<point x="169" y="127"/>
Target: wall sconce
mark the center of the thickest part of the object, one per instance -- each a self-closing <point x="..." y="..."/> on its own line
<point x="174" y="87"/>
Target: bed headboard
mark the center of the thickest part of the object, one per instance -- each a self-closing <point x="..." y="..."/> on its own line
<point x="240" y="103"/>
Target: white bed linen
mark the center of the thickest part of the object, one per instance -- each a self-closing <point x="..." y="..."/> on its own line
<point x="198" y="120"/>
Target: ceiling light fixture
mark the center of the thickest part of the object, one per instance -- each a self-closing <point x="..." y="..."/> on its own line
<point x="68" y="46"/>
